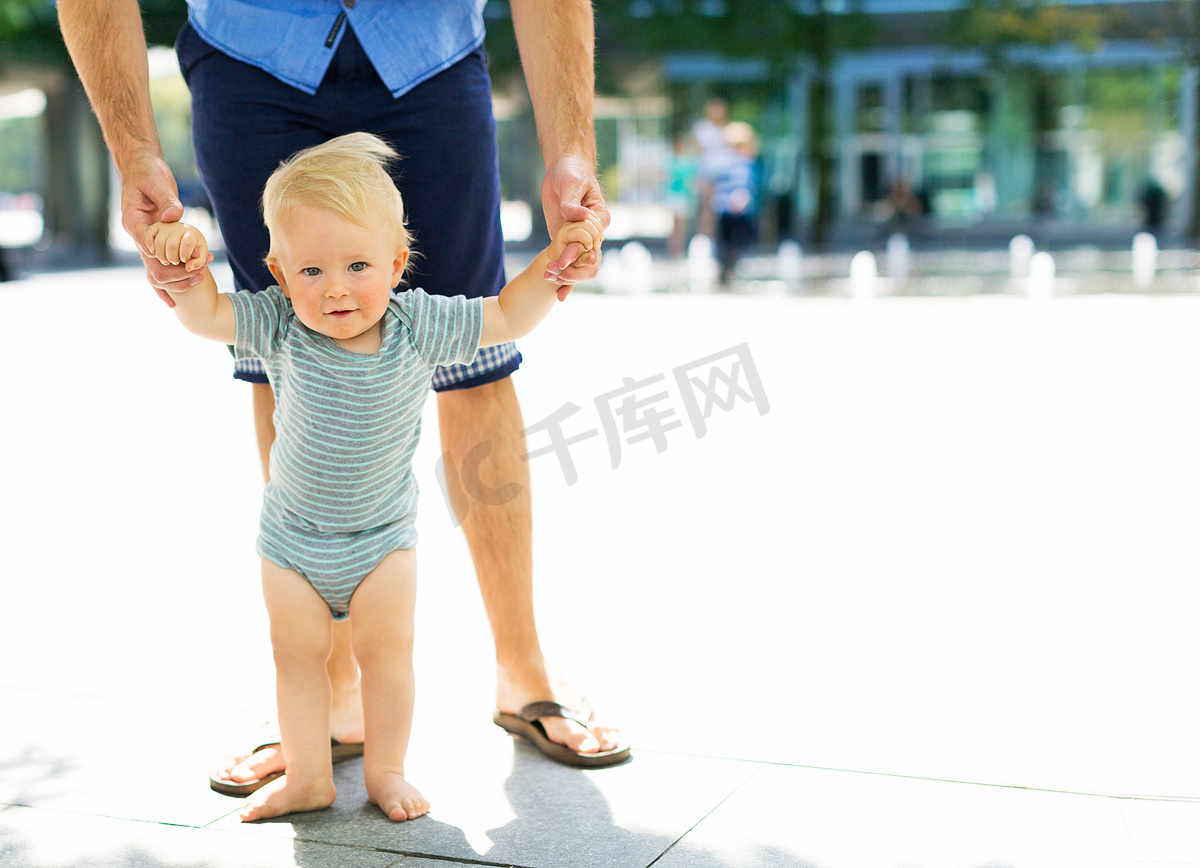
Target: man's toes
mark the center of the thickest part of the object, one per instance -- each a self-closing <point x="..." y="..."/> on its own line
<point x="608" y="737"/>
<point x="570" y="734"/>
<point x="584" y="742"/>
<point x="240" y="773"/>
<point x="257" y="766"/>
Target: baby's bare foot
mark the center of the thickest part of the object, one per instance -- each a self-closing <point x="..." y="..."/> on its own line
<point x="396" y="797"/>
<point x="283" y="796"/>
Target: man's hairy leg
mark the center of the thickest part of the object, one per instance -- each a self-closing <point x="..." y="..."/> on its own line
<point x="494" y="509"/>
<point x="346" y="724"/>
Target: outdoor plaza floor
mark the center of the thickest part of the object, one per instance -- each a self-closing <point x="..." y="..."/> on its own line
<point x="902" y="581"/>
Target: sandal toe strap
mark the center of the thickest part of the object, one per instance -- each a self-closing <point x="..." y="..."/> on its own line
<point x="534" y="711"/>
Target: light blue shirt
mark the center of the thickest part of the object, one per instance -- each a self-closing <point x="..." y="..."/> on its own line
<point x="735" y="186"/>
<point x="408" y="41"/>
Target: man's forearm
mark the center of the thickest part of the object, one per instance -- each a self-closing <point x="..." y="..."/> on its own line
<point x="108" y="47"/>
<point x="557" y="44"/>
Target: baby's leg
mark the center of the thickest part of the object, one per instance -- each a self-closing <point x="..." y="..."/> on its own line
<point x="382" y="614"/>
<point x="301" y="636"/>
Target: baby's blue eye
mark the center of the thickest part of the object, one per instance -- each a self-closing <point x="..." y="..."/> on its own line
<point x="358" y="266"/>
<point x="312" y="271"/>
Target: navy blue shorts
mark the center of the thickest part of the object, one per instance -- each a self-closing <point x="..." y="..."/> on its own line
<point x="245" y="122"/>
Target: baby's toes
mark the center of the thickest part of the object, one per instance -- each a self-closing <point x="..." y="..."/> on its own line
<point x="405" y="809"/>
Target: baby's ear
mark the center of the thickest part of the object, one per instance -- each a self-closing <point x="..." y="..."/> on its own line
<point x="399" y="265"/>
<point x="277" y="273"/>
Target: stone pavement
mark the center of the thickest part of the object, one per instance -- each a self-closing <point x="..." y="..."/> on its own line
<point x="936" y="607"/>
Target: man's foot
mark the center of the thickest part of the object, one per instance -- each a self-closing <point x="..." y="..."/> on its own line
<point x="396" y="797"/>
<point x="248" y="773"/>
<point x="594" y="738"/>
<point x="283" y="796"/>
<point x="261" y="766"/>
<point x="346" y="717"/>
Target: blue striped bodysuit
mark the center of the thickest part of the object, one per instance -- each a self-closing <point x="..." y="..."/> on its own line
<point x="342" y="494"/>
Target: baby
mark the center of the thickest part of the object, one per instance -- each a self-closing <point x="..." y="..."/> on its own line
<point x="350" y="364"/>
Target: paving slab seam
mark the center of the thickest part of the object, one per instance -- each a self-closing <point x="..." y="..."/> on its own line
<point x="224" y="816"/>
<point x="206" y="827"/>
<point x="399" y="862"/>
<point x="115" y="817"/>
<point x="1126" y="797"/>
<point x="708" y="814"/>
<point x="405" y="854"/>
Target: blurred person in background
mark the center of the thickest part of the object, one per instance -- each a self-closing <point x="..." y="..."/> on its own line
<point x="681" y="192"/>
<point x="735" y="199"/>
<point x="1154" y="207"/>
<point x="709" y="134"/>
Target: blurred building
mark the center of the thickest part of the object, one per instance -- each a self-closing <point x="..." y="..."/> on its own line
<point x="1085" y="130"/>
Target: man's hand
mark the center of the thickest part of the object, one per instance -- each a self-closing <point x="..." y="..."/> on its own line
<point x="570" y="192"/>
<point x="588" y="234"/>
<point x="149" y="196"/>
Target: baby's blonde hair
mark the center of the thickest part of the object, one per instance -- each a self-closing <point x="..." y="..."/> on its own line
<point x="348" y="176"/>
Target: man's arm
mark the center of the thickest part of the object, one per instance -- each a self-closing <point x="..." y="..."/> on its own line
<point x="556" y="41"/>
<point x="108" y="47"/>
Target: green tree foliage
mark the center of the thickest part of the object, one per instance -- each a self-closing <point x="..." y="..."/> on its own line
<point x="29" y="34"/>
<point x="16" y="15"/>
<point x="996" y="25"/>
<point x="771" y="30"/>
<point x="29" y="29"/>
<point x="632" y="32"/>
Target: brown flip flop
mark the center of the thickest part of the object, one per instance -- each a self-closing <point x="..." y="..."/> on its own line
<point x="339" y="750"/>
<point x="526" y="724"/>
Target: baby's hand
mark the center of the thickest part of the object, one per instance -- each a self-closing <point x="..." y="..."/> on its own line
<point x="588" y="232"/>
<point x="178" y="243"/>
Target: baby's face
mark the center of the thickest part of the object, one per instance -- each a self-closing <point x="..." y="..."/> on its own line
<point x="339" y="275"/>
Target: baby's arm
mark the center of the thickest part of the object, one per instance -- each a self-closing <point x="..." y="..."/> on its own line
<point x="202" y="309"/>
<point x="528" y="297"/>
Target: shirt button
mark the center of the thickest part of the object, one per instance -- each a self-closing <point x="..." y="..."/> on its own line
<point x="349" y="4"/>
